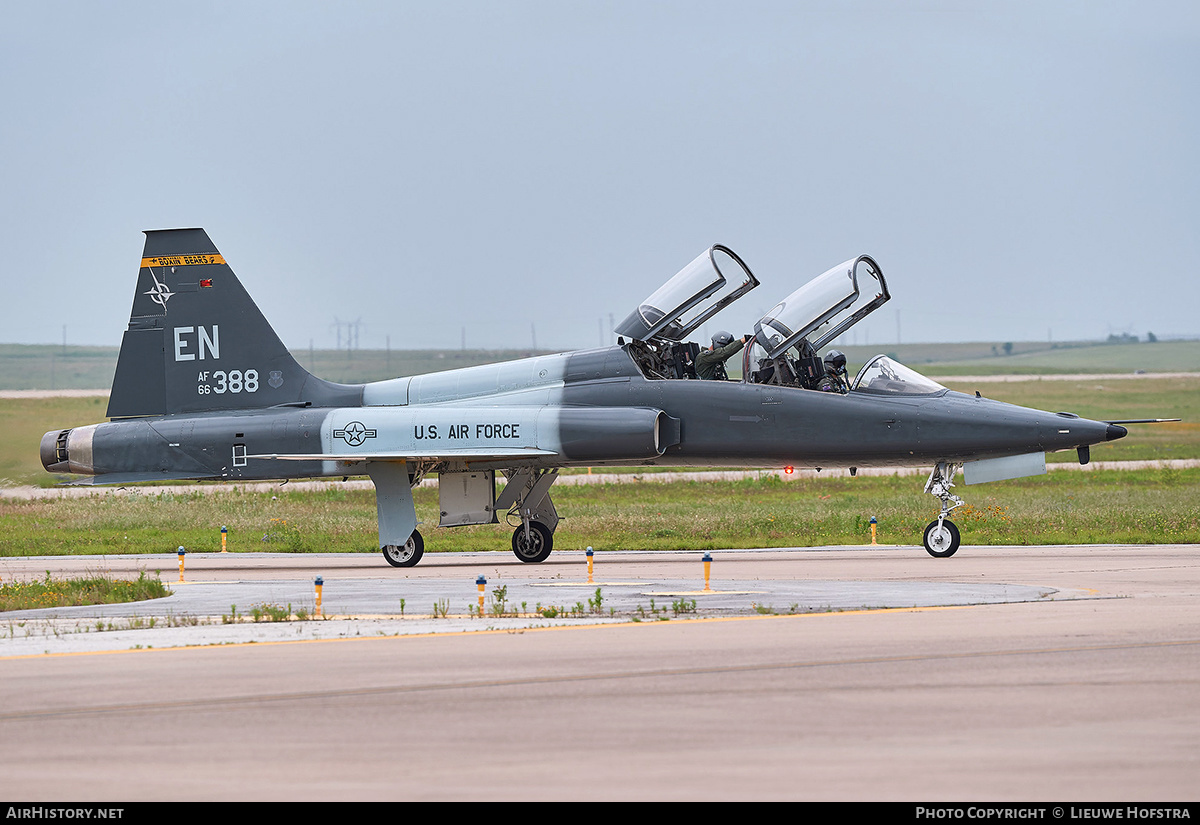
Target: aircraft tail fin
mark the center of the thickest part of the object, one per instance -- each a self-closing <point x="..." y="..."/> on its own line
<point x="197" y="341"/>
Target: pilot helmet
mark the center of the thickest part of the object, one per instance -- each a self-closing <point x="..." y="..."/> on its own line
<point x="722" y="339"/>
<point x="835" y="362"/>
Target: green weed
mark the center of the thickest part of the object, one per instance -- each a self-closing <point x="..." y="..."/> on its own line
<point x="65" y="592"/>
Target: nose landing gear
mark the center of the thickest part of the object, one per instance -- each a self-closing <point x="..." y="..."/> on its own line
<point x="941" y="536"/>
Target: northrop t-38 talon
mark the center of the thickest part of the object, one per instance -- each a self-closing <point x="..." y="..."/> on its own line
<point x="205" y="389"/>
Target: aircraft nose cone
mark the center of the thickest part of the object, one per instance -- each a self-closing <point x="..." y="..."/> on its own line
<point x="1114" y="432"/>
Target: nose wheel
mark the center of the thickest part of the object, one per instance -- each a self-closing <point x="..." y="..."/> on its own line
<point x="941" y="538"/>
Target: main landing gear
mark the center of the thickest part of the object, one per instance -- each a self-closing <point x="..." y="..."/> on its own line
<point x="526" y="496"/>
<point x="407" y="554"/>
<point x="941" y="537"/>
<point x="532" y="542"/>
<point x="466" y="497"/>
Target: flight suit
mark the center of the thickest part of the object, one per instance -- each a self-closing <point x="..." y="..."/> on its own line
<point x="710" y="363"/>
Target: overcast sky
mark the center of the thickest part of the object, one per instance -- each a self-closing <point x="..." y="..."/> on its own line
<point x="1021" y="171"/>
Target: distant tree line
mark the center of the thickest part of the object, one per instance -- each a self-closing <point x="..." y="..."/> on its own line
<point x="1126" y="338"/>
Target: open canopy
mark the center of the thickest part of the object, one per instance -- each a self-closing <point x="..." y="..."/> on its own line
<point x="823" y="308"/>
<point x="715" y="279"/>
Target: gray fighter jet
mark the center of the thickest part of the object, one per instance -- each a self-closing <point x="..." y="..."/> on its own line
<point x="204" y="389"/>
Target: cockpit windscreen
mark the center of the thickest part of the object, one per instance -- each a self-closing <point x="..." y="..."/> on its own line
<point x="884" y="376"/>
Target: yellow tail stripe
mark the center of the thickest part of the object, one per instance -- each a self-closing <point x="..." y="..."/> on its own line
<point x="182" y="260"/>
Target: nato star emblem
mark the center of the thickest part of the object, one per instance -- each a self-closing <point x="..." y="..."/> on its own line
<point x="159" y="294"/>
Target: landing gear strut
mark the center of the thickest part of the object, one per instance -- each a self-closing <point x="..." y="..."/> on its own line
<point x="941" y="536"/>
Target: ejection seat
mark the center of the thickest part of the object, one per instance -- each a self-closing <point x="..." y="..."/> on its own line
<point x="809" y="319"/>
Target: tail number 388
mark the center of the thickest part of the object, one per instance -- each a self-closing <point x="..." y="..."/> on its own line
<point x="233" y="381"/>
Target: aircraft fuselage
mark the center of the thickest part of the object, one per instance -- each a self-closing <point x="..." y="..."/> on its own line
<point x="590" y="408"/>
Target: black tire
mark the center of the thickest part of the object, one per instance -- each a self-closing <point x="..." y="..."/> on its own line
<point x="537" y="548"/>
<point x="941" y="544"/>
<point x="407" y="554"/>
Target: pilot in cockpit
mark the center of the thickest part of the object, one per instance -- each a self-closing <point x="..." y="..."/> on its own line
<point x="834" y="379"/>
<point x="710" y="363"/>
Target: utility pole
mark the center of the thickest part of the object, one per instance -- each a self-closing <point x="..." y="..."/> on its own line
<point x="352" y="332"/>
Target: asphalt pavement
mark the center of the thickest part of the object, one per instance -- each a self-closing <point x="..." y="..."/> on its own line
<point x="230" y="598"/>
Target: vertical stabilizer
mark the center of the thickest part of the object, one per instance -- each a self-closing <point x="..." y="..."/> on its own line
<point x="197" y="341"/>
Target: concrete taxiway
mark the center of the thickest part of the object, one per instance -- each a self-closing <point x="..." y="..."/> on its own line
<point x="840" y="673"/>
<point x="228" y="598"/>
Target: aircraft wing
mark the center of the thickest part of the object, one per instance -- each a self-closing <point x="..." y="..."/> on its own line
<point x="134" y="478"/>
<point x="472" y="455"/>
<point x="463" y="454"/>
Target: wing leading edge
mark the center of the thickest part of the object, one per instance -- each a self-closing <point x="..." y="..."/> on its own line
<point x="494" y="454"/>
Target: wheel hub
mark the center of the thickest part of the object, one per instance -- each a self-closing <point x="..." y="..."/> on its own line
<point x="939" y="537"/>
<point x="402" y="552"/>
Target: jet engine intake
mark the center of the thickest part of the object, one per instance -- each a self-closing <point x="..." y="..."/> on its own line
<point x="609" y="433"/>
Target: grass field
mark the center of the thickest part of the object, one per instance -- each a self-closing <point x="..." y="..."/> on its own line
<point x="79" y="590"/>
<point x="1148" y="506"/>
<point x="1172" y="356"/>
